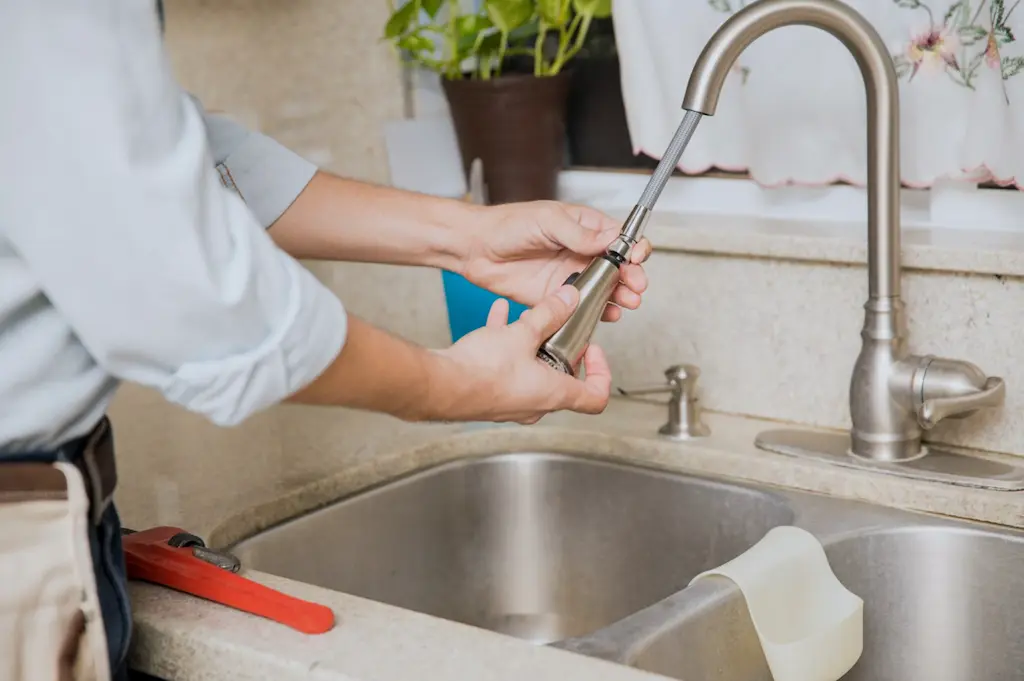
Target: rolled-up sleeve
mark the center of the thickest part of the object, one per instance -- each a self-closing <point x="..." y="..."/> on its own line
<point x="266" y="174"/>
<point x="112" y="198"/>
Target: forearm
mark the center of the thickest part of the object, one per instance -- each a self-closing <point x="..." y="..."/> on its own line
<point x="339" y="219"/>
<point x="377" y="371"/>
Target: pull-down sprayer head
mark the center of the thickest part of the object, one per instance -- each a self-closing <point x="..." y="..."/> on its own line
<point x="565" y="348"/>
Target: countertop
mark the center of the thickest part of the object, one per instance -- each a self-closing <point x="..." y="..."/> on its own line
<point x="178" y="637"/>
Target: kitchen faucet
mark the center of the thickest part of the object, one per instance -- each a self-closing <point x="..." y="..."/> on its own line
<point x="894" y="395"/>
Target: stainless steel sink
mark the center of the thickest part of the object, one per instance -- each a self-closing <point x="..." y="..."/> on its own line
<point x="595" y="558"/>
<point x="940" y="605"/>
<point x="539" y="546"/>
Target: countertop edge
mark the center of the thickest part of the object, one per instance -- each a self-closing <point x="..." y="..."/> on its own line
<point x="181" y="638"/>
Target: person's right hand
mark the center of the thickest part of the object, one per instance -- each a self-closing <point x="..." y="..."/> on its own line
<point x="503" y="380"/>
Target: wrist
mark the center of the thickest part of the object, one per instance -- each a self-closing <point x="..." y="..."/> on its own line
<point x="457" y="227"/>
<point x="446" y="388"/>
<point x="460" y="227"/>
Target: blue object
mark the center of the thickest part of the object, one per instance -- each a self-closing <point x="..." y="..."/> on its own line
<point x="468" y="305"/>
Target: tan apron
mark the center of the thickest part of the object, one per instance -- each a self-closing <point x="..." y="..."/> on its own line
<point x="50" y="624"/>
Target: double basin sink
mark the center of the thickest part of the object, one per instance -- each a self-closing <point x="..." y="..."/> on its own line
<point x="596" y="557"/>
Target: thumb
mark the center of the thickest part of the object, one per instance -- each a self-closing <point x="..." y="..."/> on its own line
<point x="549" y="314"/>
<point x="498" y="315"/>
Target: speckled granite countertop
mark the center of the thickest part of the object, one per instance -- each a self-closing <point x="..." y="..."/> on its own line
<point x="186" y="639"/>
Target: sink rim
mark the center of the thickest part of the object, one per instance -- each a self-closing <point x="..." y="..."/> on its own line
<point x="708" y="480"/>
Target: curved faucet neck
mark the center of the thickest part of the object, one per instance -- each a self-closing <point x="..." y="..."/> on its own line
<point x="880" y="81"/>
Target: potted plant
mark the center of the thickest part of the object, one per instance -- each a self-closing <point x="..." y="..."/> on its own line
<point x="597" y="128"/>
<point x="503" y="70"/>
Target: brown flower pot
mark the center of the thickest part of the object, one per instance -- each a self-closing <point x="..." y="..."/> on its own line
<point x="515" y="124"/>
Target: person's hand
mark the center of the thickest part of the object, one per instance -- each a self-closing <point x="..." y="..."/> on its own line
<point x="501" y="378"/>
<point x="524" y="251"/>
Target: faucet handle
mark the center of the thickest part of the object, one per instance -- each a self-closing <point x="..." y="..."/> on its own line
<point x="948" y="388"/>
<point x="680" y="379"/>
<point x="683" y="375"/>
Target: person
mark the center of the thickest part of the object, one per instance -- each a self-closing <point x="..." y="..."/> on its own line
<point x="143" y="239"/>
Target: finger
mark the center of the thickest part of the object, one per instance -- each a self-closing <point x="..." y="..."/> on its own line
<point x="623" y="297"/>
<point x="575" y="236"/>
<point x="592" y="218"/>
<point x="549" y="314"/>
<point x="593" y="392"/>
<point x="641" y="252"/>
<point x="498" y="315"/>
<point x="612" y="313"/>
<point x="634" y="277"/>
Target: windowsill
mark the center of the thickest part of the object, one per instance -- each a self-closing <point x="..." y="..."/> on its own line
<point x="812" y="224"/>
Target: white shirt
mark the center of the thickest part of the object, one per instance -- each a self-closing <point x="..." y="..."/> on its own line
<point x="123" y="255"/>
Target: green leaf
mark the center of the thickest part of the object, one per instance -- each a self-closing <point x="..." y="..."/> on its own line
<point x="908" y="4"/>
<point x="469" y="25"/>
<point x="969" y="35"/>
<point x="399" y="22"/>
<point x="600" y="9"/>
<point x="554" y="12"/>
<point x="720" y="5"/>
<point x="997" y="12"/>
<point x="1011" y="66"/>
<point x="958" y="13"/>
<point x="431" y="7"/>
<point x="469" y="28"/>
<point x="415" y="43"/>
<point x="1004" y="35"/>
<point x="508" y="15"/>
<point x="489" y="44"/>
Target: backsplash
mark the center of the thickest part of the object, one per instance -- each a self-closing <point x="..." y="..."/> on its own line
<point x="778" y="338"/>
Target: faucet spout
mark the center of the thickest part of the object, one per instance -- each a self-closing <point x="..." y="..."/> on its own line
<point x="885" y="427"/>
<point x="882" y="89"/>
<point x="893" y="394"/>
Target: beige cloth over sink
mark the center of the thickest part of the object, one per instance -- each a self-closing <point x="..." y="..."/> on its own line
<point x="810" y="626"/>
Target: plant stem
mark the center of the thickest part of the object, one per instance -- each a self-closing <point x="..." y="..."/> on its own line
<point x="977" y="14"/>
<point x="581" y="25"/>
<point x="538" y="50"/>
<point x="502" y="50"/>
<point x="454" y="67"/>
<point x="481" y="68"/>
<point x="1006" y="17"/>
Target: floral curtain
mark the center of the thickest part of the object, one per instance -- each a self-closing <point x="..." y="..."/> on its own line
<point x="793" y="111"/>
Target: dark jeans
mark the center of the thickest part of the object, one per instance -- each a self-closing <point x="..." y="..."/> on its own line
<point x="108" y="563"/>
<point x="112" y="584"/>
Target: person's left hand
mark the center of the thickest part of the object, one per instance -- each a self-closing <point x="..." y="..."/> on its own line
<point x="524" y="251"/>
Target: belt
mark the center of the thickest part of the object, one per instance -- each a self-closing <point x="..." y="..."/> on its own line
<point x="93" y="456"/>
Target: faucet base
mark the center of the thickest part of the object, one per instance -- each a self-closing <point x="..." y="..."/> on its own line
<point x="937" y="464"/>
